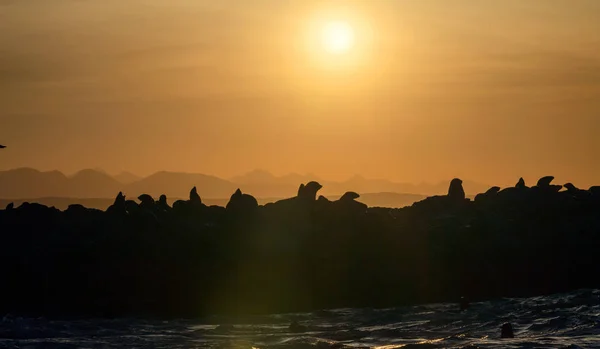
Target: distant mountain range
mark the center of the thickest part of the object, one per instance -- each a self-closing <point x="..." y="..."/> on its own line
<point x="261" y="181"/>
<point x="97" y="184"/>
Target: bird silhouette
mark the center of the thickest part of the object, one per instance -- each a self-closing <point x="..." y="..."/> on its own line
<point x="2" y="146"/>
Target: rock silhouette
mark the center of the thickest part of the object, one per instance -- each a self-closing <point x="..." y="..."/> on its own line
<point x="507" y="331"/>
<point x="145" y="257"/>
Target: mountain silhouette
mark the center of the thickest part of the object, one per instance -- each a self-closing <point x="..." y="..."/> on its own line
<point x="27" y="183"/>
<point x="127" y="177"/>
<point x="178" y="184"/>
<point x="263" y="183"/>
<point x="91" y="184"/>
<point x="31" y="183"/>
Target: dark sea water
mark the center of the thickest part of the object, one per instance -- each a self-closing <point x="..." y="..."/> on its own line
<point x="570" y="320"/>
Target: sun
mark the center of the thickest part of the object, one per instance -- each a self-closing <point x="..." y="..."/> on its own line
<point x="336" y="42"/>
<point x="337" y="37"/>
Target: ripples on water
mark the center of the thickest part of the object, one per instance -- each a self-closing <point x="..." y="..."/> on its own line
<point x="560" y="321"/>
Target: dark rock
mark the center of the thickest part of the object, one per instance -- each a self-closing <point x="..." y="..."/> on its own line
<point x="507" y="331"/>
<point x="295" y="254"/>
<point x="595" y="190"/>
<point x="521" y="184"/>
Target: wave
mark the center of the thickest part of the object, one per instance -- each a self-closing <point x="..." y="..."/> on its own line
<point x="567" y="320"/>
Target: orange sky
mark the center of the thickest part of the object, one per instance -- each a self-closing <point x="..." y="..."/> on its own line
<point x="481" y="89"/>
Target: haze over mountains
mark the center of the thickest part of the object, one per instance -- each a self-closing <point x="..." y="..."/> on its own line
<point x="31" y="183"/>
<point x="26" y="184"/>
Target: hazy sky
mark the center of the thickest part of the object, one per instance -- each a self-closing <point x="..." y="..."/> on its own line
<point x="487" y="90"/>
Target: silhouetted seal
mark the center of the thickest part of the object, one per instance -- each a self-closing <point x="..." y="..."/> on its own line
<point x="507" y="331"/>
<point x="456" y="191"/>
<point x="490" y="192"/>
<point x="300" y="190"/>
<point x="162" y="200"/>
<point x="545" y="181"/>
<point x="575" y="192"/>
<point x="521" y="184"/>
<point x="179" y="204"/>
<point x="571" y="188"/>
<point x="194" y="197"/>
<point x="323" y="204"/>
<point x="323" y="199"/>
<point x="348" y="204"/>
<point x="120" y="199"/>
<point x="349" y="196"/>
<point x="162" y="204"/>
<point x="545" y="184"/>
<point x="10" y="206"/>
<point x="240" y="202"/>
<point x="76" y="209"/>
<point x="119" y="204"/>
<point x="309" y="191"/>
<point x="146" y="199"/>
<point x="131" y="206"/>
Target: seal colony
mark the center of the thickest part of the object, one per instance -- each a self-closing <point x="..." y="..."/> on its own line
<point x="147" y="257"/>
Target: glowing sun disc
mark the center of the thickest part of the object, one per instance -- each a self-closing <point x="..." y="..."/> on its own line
<point x="337" y="37"/>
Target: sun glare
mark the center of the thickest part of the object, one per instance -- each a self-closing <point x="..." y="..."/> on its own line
<point x="337" y="37"/>
<point x="338" y="42"/>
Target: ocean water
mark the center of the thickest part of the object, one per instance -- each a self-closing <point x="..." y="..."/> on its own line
<point x="569" y="320"/>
